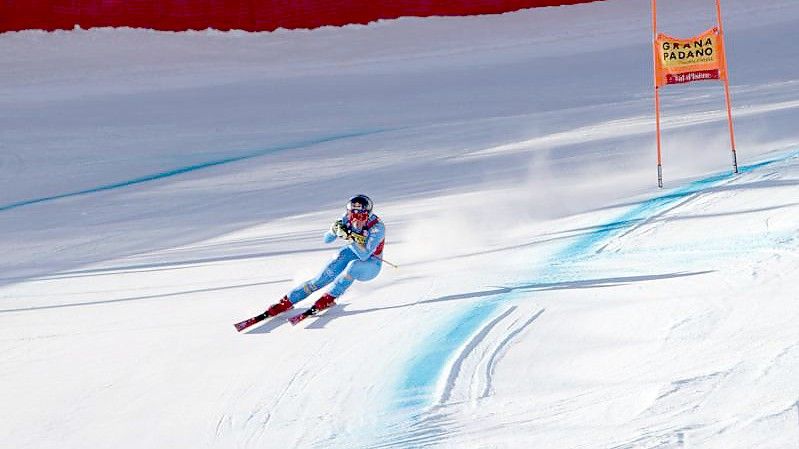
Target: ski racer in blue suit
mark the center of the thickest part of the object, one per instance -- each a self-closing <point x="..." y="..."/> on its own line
<point x="360" y="260"/>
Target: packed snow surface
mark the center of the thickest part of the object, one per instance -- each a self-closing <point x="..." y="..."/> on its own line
<point x="157" y="187"/>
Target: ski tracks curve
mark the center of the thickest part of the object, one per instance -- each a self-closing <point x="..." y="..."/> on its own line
<point x="467" y="379"/>
<point x="471" y="372"/>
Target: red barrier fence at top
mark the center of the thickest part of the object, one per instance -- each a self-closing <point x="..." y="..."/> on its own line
<point x="251" y="15"/>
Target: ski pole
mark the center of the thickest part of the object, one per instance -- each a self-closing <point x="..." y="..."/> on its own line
<point x="378" y="257"/>
<point x="385" y="261"/>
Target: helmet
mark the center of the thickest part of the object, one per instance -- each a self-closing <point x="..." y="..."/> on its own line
<point x="360" y="201"/>
<point x="358" y="208"/>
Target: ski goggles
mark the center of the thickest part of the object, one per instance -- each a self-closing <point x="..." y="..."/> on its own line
<point x="357" y="213"/>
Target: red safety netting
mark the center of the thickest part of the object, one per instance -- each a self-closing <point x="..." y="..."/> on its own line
<point x="253" y="15"/>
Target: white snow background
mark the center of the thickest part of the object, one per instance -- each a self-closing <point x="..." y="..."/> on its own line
<point x="157" y="187"/>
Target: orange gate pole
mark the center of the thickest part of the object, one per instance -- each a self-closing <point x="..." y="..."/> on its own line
<point x="657" y="91"/>
<point x="727" y="87"/>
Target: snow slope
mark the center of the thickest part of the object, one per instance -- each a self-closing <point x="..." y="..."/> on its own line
<point x="157" y="187"/>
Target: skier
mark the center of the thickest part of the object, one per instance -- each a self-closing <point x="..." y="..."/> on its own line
<point x="360" y="260"/>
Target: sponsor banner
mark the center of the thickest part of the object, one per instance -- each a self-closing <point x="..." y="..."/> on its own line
<point x="693" y="76"/>
<point x="685" y="60"/>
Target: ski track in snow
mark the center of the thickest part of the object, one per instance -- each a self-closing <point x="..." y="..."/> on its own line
<point x="459" y="368"/>
<point x="472" y="348"/>
<point x="501" y="349"/>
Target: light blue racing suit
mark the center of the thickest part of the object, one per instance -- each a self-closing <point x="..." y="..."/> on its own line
<point x="353" y="262"/>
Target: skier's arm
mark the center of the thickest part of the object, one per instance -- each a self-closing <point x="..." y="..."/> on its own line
<point x="376" y="234"/>
<point x="339" y="229"/>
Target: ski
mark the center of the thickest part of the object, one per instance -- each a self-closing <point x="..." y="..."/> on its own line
<point x="294" y="319"/>
<point x="310" y="312"/>
<point x="250" y="321"/>
<point x="301" y="316"/>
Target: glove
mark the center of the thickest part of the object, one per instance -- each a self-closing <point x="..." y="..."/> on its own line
<point x="340" y="230"/>
<point x="358" y="238"/>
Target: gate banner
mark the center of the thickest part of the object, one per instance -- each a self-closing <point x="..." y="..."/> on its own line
<point x="684" y="60"/>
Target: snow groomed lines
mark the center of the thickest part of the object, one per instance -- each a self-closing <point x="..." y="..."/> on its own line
<point x="470" y="347"/>
<point x="500" y="350"/>
<point x="190" y="168"/>
<point x="415" y="391"/>
<point x="423" y="373"/>
<point x="488" y="352"/>
<point x="468" y="380"/>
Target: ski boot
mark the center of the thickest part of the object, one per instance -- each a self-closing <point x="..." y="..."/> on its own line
<point x="324" y="302"/>
<point x="282" y="306"/>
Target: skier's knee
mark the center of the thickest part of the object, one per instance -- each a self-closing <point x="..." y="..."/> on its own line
<point x="310" y="287"/>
